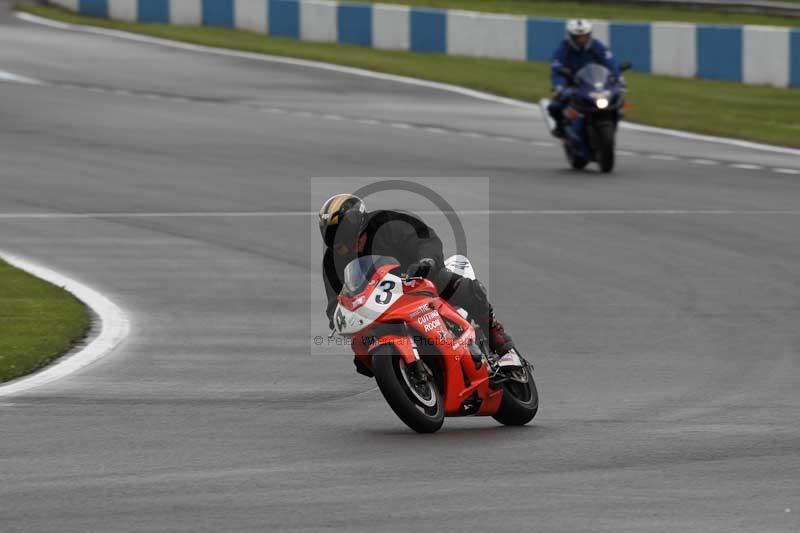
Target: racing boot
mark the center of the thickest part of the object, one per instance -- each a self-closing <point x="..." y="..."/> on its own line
<point x="500" y="342"/>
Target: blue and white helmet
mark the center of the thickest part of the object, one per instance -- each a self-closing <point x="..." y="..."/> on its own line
<point x="577" y="27"/>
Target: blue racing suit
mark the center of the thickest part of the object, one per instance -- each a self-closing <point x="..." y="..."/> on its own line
<point x="567" y="55"/>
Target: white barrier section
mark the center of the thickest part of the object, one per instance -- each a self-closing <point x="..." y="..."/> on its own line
<point x="127" y="10"/>
<point x="673" y="49"/>
<point x="390" y="27"/>
<point x="478" y="35"/>
<point x="185" y="12"/>
<point x="71" y="5"/>
<point x="251" y="15"/>
<point x="600" y="31"/>
<point x="317" y="21"/>
<point x="765" y="55"/>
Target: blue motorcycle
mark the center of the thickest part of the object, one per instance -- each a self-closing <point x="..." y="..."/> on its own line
<point x="594" y="101"/>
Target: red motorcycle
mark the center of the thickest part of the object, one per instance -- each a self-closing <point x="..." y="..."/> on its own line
<point x="428" y="358"/>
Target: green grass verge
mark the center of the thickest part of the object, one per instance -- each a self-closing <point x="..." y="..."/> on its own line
<point x="718" y="108"/>
<point x="599" y="10"/>
<point x="38" y="322"/>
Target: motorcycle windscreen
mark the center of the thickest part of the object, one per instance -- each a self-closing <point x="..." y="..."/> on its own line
<point x="593" y="74"/>
<point x="359" y="272"/>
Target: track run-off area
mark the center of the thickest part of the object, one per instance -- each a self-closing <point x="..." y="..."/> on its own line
<point x="660" y="306"/>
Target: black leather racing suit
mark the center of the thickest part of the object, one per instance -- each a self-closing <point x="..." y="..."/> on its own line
<point x="408" y="239"/>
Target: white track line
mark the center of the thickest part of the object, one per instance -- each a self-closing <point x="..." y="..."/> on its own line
<point x="114" y="327"/>
<point x="711" y="139"/>
<point x="466" y="212"/>
<point x="177" y="214"/>
<point x="367" y="121"/>
<point x="16" y="78"/>
<point x="387" y="77"/>
<point x="623" y="212"/>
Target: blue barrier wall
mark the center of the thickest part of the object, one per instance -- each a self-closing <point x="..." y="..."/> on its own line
<point x="719" y="53"/>
<point x="153" y="11"/>
<point x="354" y="24"/>
<point x="631" y="41"/>
<point x="284" y="18"/>
<point x="794" y="61"/>
<point x="93" y="8"/>
<point x="428" y="29"/>
<point x="542" y="33"/>
<point x="218" y="13"/>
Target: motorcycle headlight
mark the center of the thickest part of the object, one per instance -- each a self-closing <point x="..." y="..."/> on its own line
<point x="602" y="103"/>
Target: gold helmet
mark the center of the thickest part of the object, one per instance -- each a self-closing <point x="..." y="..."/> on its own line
<point x="341" y="217"/>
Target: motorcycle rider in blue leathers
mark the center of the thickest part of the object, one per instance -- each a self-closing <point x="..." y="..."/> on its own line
<point x="577" y="50"/>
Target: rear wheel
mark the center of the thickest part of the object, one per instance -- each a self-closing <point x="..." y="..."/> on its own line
<point x="604" y="133"/>
<point x="413" y="396"/>
<point x="520" y="398"/>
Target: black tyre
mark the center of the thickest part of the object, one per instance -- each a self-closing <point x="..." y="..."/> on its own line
<point x="603" y="140"/>
<point x="418" y="403"/>
<point x="578" y="163"/>
<point x="520" y="399"/>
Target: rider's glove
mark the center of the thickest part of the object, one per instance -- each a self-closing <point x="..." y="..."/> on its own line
<point x="421" y="268"/>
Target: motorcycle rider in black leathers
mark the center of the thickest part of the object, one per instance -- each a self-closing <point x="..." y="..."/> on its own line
<point x="349" y="231"/>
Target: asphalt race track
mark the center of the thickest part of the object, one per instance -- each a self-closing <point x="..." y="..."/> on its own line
<point x="660" y="306"/>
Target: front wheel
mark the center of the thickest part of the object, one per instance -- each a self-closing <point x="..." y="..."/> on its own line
<point x="413" y="397"/>
<point x="520" y="398"/>
<point x="604" y="133"/>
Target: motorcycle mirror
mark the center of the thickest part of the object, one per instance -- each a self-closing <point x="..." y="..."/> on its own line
<point x="625" y="65"/>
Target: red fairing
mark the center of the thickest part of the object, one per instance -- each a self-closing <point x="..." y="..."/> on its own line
<point x="416" y="325"/>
